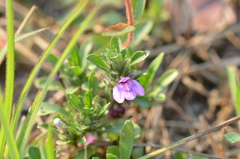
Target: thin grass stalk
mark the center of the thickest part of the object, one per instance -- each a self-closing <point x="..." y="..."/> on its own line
<point x="9" y="89"/>
<point x="27" y="127"/>
<point x="190" y="138"/>
<point x="24" y="135"/>
<point x="49" y="145"/>
<point x="39" y="64"/>
<point x="7" y="131"/>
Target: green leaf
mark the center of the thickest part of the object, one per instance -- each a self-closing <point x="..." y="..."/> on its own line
<point x="43" y="126"/>
<point x="137" y="152"/>
<point x="95" y="158"/>
<point x="237" y="97"/>
<point x="234" y="87"/>
<point x="82" y="127"/>
<point x="126" y="140"/>
<point x="92" y="82"/>
<point x="104" y="109"/>
<point x="96" y="60"/>
<point x="142" y="30"/>
<point x="113" y="150"/>
<point x="152" y="69"/>
<point x="52" y="59"/>
<point x="71" y="90"/>
<point x="34" y="153"/>
<point x="47" y="108"/>
<point x="111" y="156"/>
<point x="160" y="97"/>
<point x="143" y="102"/>
<point x="139" y="56"/>
<point x="118" y="62"/>
<point x="60" y="142"/>
<point x="138" y="8"/>
<point x="165" y="79"/>
<point x="76" y="69"/>
<point x="54" y="85"/>
<point x="75" y="57"/>
<point x="116" y="44"/>
<point x="88" y="99"/>
<point x="116" y="128"/>
<point x="84" y="50"/>
<point x="74" y="100"/>
<point x="82" y="140"/>
<point x="232" y="137"/>
<point x="179" y="155"/>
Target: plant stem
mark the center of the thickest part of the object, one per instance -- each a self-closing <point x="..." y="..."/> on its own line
<point x="129" y="15"/>
<point x="9" y="73"/>
<point x="190" y="138"/>
<point x="5" y="127"/>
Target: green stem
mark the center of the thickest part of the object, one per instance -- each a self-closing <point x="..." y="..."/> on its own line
<point x="9" y="71"/>
<point x="6" y="129"/>
<point x="10" y="61"/>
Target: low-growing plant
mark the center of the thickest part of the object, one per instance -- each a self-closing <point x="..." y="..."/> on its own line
<point x="98" y="89"/>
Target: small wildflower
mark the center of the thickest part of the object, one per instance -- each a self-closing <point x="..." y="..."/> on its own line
<point x="90" y="138"/>
<point x="116" y="112"/>
<point x="127" y="89"/>
<point x="58" y="122"/>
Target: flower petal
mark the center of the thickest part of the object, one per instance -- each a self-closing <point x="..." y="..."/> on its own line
<point x="129" y="95"/>
<point x="137" y="88"/>
<point x="124" y="79"/>
<point x="118" y="94"/>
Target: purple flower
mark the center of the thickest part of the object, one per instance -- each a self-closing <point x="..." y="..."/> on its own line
<point x="127" y="89"/>
<point x="90" y="138"/>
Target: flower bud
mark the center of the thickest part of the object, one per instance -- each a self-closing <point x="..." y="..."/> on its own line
<point x="116" y="112"/>
<point x="90" y="138"/>
<point x="58" y="122"/>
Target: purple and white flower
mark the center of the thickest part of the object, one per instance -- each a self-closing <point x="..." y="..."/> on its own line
<point x="127" y="89"/>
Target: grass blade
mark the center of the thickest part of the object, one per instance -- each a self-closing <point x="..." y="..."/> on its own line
<point x="27" y="127"/>
<point x="231" y="72"/>
<point x="7" y="131"/>
<point x="49" y="145"/>
<point x="9" y="89"/>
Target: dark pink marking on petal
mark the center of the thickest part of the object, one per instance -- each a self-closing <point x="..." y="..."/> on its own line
<point x="124" y="79"/>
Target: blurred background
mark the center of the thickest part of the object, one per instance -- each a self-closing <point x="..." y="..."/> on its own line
<point x="199" y="37"/>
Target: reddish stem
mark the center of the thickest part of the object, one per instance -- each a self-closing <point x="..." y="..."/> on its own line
<point x="129" y="14"/>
